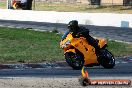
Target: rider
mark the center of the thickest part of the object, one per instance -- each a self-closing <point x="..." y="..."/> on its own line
<point x="79" y="30"/>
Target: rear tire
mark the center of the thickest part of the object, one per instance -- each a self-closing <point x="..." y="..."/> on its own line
<point x="106" y="59"/>
<point x="74" y="60"/>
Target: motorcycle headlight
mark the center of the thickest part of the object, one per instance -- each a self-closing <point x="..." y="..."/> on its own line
<point x="65" y="44"/>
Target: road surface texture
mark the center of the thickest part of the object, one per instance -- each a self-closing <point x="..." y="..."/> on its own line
<point x="59" y="74"/>
<point x="40" y="82"/>
<point x="123" y="68"/>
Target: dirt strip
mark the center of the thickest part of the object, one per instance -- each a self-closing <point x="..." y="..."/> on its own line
<point x="37" y="82"/>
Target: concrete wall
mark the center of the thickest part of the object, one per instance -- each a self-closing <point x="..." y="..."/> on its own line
<point x="100" y="19"/>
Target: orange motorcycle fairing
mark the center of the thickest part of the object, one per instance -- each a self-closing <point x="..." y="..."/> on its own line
<point x="82" y="46"/>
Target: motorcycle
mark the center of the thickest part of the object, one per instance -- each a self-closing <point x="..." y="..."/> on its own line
<point x="79" y="53"/>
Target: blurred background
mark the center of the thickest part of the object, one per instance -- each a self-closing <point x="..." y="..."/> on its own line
<point x="40" y="4"/>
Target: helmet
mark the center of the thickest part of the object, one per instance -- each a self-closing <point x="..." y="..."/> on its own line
<point x="73" y="26"/>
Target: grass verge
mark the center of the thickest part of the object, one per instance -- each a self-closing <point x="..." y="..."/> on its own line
<point x="33" y="46"/>
<point x="2" y="5"/>
<point x="119" y="48"/>
<point x="63" y="7"/>
<point x="29" y="46"/>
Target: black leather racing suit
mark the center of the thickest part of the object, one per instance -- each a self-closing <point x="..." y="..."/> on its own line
<point x="85" y="32"/>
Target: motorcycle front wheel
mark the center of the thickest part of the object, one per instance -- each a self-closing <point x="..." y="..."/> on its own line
<point x="74" y="60"/>
<point x="106" y="59"/>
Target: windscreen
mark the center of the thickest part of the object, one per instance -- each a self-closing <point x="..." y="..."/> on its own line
<point x="65" y="35"/>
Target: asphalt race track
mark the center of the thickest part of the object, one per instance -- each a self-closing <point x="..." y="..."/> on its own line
<point x="123" y="66"/>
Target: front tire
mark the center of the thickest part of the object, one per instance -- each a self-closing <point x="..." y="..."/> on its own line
<point x="74" y="60"/>
<point x="106" y="59"/>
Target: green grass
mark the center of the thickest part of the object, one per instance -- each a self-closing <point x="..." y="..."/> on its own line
<point x="2" y="5"/>
<point x="28" y="45"/>
<point x="120" y="49"/>
<point x="33" y="46"/>
<point x="63" y="7"/>
<point x="59" y="7"/>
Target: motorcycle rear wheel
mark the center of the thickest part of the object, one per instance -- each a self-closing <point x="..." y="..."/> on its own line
<point x="106" y="59"/>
